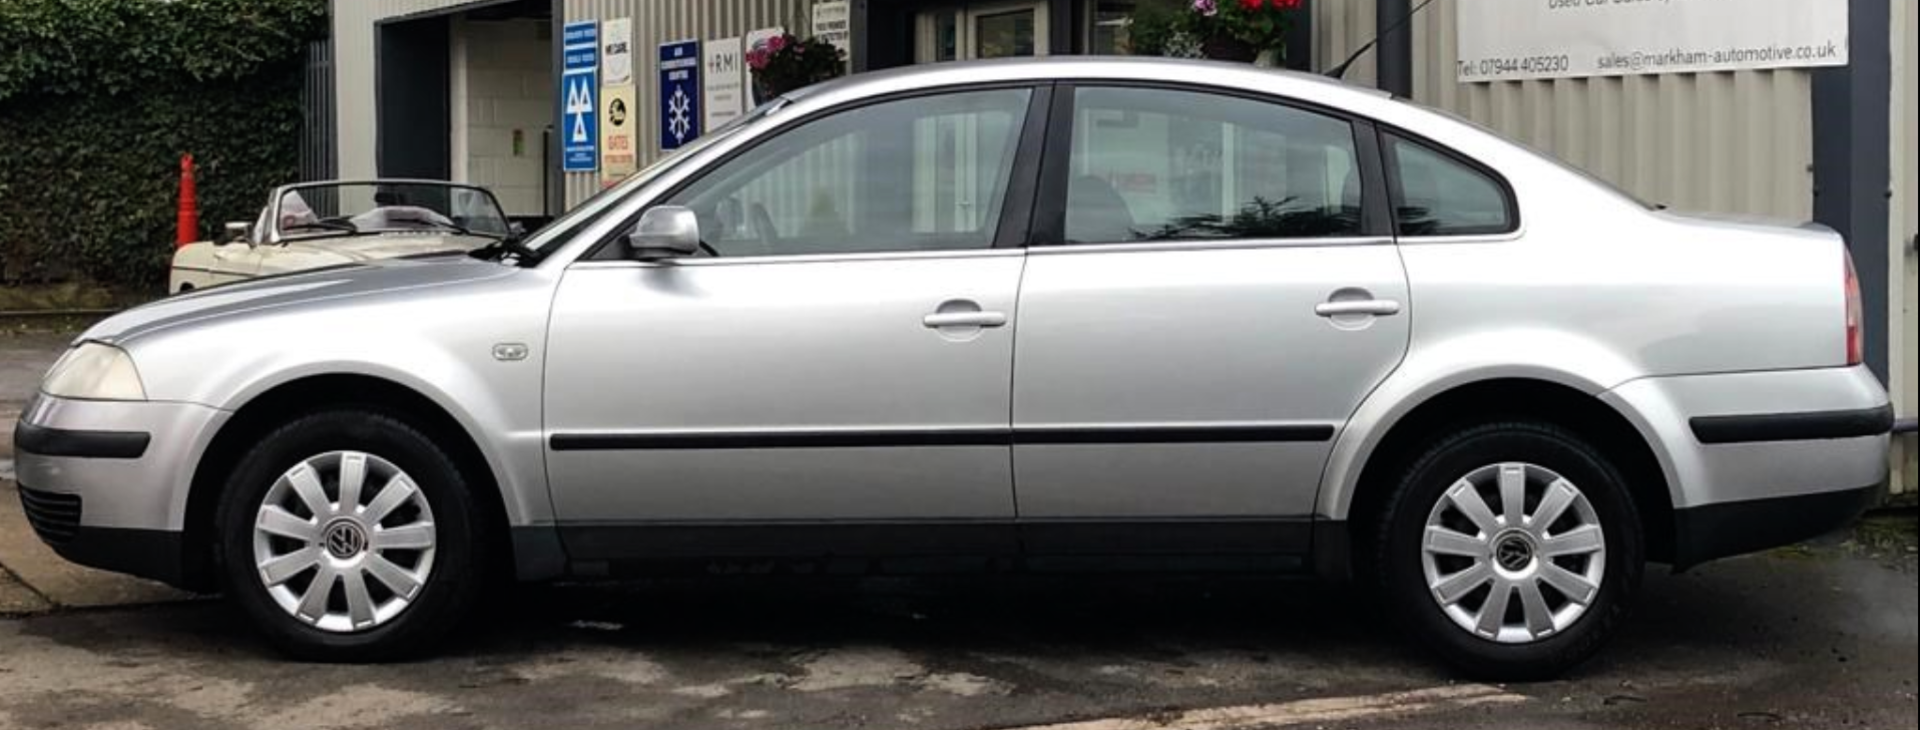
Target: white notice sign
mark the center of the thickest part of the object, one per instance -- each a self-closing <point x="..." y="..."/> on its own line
<point x="1537" y="39"/>
<point x="616" y="57"/>
<point x="726" y="69"/>
<point x="832" y="22"/>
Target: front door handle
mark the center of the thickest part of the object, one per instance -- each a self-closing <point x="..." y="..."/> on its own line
<point x="964" y="319"/>
<point x="1375" y="307"/>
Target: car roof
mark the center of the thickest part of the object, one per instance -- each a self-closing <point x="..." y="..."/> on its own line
<point x="1063" y="68"/>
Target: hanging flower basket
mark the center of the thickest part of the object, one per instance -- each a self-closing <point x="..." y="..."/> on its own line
<point x="1226" y="30"/>
<point x="786" y="63"/>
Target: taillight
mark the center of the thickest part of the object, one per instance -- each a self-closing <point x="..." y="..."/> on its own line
<point x="1856" y="338"/>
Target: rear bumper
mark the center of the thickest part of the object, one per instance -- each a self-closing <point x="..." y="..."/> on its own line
<point x="1762" y="459"/>
<point x="1722" y="530"/>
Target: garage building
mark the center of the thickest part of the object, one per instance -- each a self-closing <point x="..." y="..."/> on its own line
<point x="474" y="91"/>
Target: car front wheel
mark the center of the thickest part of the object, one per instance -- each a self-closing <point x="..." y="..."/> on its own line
<point x="1511" y="549"/>
<point x="350" y="536"/>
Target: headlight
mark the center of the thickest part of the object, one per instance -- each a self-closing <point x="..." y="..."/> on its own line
<point x="94" y="371"/>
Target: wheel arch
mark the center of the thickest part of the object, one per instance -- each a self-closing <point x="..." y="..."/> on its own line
<point x="306" y="394"/>
<point x="1356" y="495"/>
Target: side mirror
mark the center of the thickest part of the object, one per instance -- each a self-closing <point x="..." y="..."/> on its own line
<point x="233" y="233"/>
<point x="665" y="232"/>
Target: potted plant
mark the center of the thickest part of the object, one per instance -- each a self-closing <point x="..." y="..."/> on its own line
<point x="786" y="63"/>
<point x="1228" y="30"/>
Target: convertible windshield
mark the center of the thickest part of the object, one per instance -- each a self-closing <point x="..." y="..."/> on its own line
<point x="334" y="209"/>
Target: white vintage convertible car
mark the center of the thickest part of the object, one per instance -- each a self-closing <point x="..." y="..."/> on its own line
<point x="311" y="225"/>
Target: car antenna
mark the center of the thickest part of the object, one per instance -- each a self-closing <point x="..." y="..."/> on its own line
<point x="1341" y="70"/>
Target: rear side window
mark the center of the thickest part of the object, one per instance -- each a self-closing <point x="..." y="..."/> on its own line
<point x="1438" y="194"/>
<point x="1150" y="164"/>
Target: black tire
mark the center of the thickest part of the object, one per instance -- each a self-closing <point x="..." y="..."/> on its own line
<point x="1398" y="536"/>
<point x="458" y="572"/>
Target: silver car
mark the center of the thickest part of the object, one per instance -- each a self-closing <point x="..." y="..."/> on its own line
<point x="1046" y="314"/>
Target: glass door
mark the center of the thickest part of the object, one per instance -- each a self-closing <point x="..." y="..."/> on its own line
<point x="988" y="30"/>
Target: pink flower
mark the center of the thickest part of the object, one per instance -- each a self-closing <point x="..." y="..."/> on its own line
<point x="776" y="43"/>
<point x="757" y="58"/>
<point x="1205" y="7"/>
<point x="1252" y="4"/>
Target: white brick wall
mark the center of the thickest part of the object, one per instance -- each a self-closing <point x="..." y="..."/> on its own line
<point x="501" y="74"/>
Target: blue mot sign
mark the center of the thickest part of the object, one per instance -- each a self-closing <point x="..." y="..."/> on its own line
<point x="679" y="93"/>
<point x="579" y="97"/>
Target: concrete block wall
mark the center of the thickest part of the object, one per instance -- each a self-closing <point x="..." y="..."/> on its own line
<point x="502" y="83"/>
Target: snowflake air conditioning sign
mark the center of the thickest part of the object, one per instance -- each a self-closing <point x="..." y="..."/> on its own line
<point x="579" y="97"/>
<point x="679" y="93"/>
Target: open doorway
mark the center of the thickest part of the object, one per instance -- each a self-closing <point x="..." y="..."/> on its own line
<point x="466" y="94"/>
<point x="500" y="91"/>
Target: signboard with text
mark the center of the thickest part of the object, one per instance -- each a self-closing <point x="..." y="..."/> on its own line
<point x="619" y="144"/>
<point x="1538" y="39"/>
<point x="725" y="69"/>
<point x="679" y="93"/>
<point x="616" y="40"/>
<point x="833" y="23"/>
<point x="579" y="94"/>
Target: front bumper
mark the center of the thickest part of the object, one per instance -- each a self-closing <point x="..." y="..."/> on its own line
<point x="105" y="484"/>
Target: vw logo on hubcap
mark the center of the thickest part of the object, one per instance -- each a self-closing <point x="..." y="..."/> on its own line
<point x="345" y="539"/>
<point x="1513" y="553"/>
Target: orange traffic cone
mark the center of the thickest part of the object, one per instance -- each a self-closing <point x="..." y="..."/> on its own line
<point x="189" y="223"/>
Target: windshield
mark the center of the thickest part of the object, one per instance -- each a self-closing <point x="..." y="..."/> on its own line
<point x="589" y="210"/>
<point x="334" y="209"/>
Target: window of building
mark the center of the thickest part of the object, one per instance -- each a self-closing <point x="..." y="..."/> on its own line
<point x="1109" y="23"/>
<point x="982" y="30"/>
<point x="1164" y="165"/>
<point x="1438" y="195"/>
<point x="918" y="174"/>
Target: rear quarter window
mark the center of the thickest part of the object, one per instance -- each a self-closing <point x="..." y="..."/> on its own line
<point x="1437" y="193"/>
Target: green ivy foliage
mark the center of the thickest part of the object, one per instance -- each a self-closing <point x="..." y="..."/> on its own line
<point x="98" y="100"/>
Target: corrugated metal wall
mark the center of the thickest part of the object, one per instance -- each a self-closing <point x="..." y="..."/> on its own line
<point x="1739" y="142"/>
<point x="662" y="21"/>
<point x="1339" y="27"/>
<point x="1904" y="226"/>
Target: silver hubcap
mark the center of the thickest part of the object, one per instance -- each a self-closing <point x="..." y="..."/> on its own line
<point x="344" y="541"/>
<point x="1514" y="553"/>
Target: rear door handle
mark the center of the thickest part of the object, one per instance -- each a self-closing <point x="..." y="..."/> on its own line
<point x="964" y="319"/>
<point x="1376" y="307"/>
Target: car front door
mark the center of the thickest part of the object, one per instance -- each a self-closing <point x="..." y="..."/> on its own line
<point x="1221" y="291"/>
<point x="835" y="375"/>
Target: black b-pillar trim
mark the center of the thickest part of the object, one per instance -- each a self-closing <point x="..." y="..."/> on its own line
<point x="1852" y="136"/>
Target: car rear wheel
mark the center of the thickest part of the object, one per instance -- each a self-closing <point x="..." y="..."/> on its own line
<point x="349" y="536"/>
<point x="1511" y="549"/>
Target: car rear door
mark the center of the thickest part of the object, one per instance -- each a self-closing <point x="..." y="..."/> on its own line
<point x="1220" y="292"/>
<point x="837" y="377"/>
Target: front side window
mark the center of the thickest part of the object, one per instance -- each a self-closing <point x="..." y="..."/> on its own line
<point x="1165" y="165"/>
<point x="1438" y="195"/>
<point x="926" y="173"/>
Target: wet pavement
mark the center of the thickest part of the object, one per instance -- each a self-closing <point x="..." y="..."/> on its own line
<point x="1818" y="637"/>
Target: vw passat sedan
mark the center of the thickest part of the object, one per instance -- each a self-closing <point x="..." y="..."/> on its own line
<point x="1040" y="314"/>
